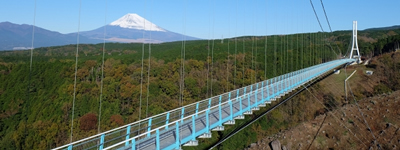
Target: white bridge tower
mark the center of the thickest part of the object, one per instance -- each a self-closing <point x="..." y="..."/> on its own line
<point x="354" y="44"/>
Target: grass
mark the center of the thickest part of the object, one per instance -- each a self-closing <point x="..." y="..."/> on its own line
<point x="350" y="121"/>
<point x="321" y="141"/>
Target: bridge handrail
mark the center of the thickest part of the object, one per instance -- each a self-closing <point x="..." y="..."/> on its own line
<point x="279" y="79"/>
<point x="176" y="109"/>
<point x="171" y="123"/>
<point x="187" y="117"/>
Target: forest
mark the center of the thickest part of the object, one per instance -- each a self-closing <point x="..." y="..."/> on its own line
<point x="37" y="98"/>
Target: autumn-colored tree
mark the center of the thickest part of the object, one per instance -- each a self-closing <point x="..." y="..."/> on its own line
<point x="117" y="120"/>
<point x="88" y="122"/>
<point x="90" y="63"/>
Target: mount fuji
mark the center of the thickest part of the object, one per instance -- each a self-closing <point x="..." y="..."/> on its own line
<point x="134" y="28"/>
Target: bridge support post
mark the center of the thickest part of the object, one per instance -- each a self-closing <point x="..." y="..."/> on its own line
<point x="220" y="112"/>
<point x="197" y="109"/>
<point x="177" y="135"/>
<point x="262" y="93"/>
<point x="101" y="142"/>
<point x="237" y="94"/>
<point x="267" y="93"/>
<point x="231" y="108"/>
<point x="207" y="120"/>
<point x="273" y="87"/>
<point x="290" y="80"/>
<point x="286" y="83"/>
<point x="240" y="106"/>
<point x="158" y="140"/>
<point x="182" y="114"/>
<point x="249" y="103"/>
<point x="133" y="144"/>
<point x="209" y="104"/>
<point x="194" y="128"/>
<point x="229" y="97"/>
<point x="256" y="103"/>
<point x="128" y="131"/>
<point x="354" y="44"/>
<point x="149" y="128"/>
<point x="166" y="121"/>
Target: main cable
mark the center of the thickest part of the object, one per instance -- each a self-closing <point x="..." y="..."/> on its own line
<point x="266" y="41"/>
<point x="30" y="70"/>
<point x="234" y="74"/>
<point x="76" y="70"/>
<point x="312" y="5"/>
<point x="141" y="72"/>
<point x="102" y="66"/>
<point x="148" y="68"/>
<point x="212" y="51"/>
<point x="227" y="63"/>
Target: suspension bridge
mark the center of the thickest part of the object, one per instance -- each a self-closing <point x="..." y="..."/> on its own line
<point x="184" y="125"/>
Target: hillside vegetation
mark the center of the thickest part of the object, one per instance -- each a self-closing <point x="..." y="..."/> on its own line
<point x="36" y="105"/>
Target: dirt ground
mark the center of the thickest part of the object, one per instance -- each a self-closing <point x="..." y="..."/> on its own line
<point x="345" y="128"/>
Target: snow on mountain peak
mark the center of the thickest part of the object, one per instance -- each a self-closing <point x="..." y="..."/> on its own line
<point x="134" y="21"/>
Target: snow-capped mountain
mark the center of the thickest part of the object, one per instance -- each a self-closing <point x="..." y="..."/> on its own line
<point x="134" y="28"/>
<point x="134" y="21"/>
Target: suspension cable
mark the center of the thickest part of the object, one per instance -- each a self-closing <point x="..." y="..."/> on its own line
<point x="30" y="69"/>
<point x="336" y="106"/>
<point x="228" y="62"/>
<point x="362" y="114"/>
<point x="334" y="115"/>
<point x="254" y="50"/>
<point x="76" y="70"/>
<point x="234" y="74"/>
<point x="312" y="5"/>
<point x="212" y="50"/>
<point x="244" y="54"/>
<point x="149" y="67"/>
<point x="102" y="66"/>
<point x="266" y="41"/>
<point x="329" y="25"/>
<point x="141" y="72"/>
<point x="208" y="53"/>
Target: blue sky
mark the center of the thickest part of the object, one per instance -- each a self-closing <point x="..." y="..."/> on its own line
<point x="206" y="19"/>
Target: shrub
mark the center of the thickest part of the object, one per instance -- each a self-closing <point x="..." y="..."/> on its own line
<point x="88" y="122"/>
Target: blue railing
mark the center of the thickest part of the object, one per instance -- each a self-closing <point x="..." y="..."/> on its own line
<point x="171" y="129"/>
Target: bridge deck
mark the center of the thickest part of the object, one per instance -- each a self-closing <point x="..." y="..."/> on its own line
<point x="174" y="128"/>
